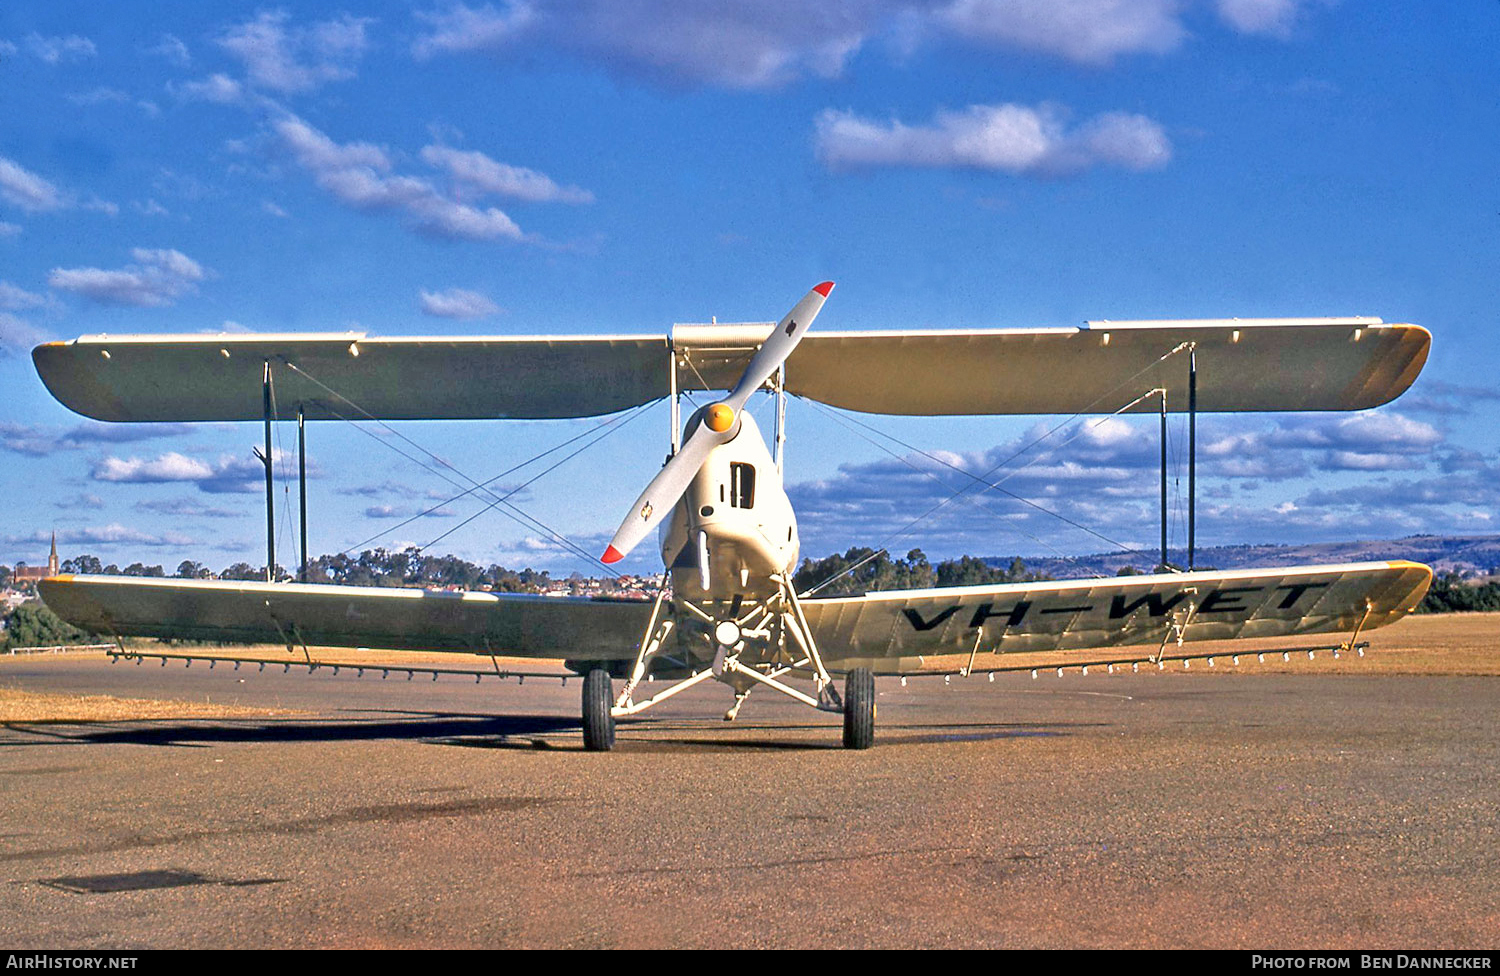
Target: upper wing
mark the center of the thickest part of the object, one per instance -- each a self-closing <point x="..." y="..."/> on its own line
<point x="1283" y="364"/>
<point x="511" y="624"/>
<point x="1242" y="365"/>
<point x="352" y="376"/>
<point x="1116" y="611"/>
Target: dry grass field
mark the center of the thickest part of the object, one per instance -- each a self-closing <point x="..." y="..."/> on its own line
<point x="19" y="705"/>
<point x="1446" y="644"/>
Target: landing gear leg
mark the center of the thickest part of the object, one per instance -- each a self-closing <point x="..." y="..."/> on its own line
<point x="859" y="709"/>
<point x="598" y="720"/>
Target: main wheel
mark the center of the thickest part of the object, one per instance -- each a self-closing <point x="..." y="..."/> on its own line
<point x="859" y="709"/>
<point x="598" y="721"/>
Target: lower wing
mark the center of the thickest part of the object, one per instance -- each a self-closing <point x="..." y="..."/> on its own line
<point x="894" y="626"/>
<point x="1116" y="611"/>
<point x="512" y="624"/>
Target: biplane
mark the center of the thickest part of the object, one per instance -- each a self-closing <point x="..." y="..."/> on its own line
<point x="727" y="609"/>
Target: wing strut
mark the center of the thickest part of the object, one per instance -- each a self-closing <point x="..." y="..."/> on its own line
<point x="1163" y="392"/>
<point x="1192" y="449"/>
<point x="302" y="485"/>
<point x="265" y="458"/>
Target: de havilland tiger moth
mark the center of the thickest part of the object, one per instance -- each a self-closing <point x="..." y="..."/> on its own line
<point x="727" y="609"/>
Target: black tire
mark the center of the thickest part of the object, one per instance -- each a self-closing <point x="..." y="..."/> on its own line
<point x="598" y="721"/>
<point x="859" y="709"/>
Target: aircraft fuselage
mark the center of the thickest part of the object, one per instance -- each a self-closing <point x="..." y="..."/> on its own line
<point x="734" y="528"/>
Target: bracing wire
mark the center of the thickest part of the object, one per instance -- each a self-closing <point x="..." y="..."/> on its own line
<point x="850" y="424"/>
<point x="984" y="479"/>
<point x="506" y="508"/>
<point x="511" y="470"/>
<point x="604" y="431"/>
<point x="986" y="484"/>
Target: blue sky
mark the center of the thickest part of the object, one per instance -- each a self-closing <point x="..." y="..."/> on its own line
<point x="536" y="167"/>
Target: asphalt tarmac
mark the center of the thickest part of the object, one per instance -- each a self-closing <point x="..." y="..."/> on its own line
<point x="1180" y="810"/>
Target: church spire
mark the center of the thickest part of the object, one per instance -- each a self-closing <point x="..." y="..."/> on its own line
<point x="52" y="559"/>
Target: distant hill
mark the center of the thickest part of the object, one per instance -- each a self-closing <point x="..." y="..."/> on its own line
<point x="1476" y="555"/>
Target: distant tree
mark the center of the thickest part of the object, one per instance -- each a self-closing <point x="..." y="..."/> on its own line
<point x="505" y="581"/>
<point x="1449" y="593"/>
<point x="189" y="569"/>
<point x="83" y="563"/>
<point x="242" y="571"/>
<point x="863" y="570"/>
<point x="33" y="625"/>
<point x="137" y="569"/>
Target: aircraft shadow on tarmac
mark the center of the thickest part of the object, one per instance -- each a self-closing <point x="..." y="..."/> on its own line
<point x="487" y="731"/>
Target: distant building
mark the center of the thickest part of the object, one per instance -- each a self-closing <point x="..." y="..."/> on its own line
<point x="30" y="574"/>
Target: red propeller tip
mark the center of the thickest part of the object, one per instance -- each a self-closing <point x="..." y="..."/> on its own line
<point x="824" y="288"/>
<point x="612" y="555"/>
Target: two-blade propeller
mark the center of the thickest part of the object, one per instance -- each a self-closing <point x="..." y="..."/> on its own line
<point x="717" y="424"/>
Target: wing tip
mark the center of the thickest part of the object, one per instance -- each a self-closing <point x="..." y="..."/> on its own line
<point x="824" y="288"/>
<point x="611" y="555"/>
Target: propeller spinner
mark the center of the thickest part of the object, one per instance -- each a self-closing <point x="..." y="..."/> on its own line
<point x="719" y="422"/>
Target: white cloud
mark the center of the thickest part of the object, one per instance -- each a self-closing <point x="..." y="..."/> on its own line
<point x="13" y="299"/>
<point x="358" y="174"/>
<point x="101" y="206"/>
<point x="461" y="28"/>
<point x="217" y="88"/>
<point x="227" y="475"/>
<point x="1273" y="17"/>
<point x="186" y="508"/>
<point x="173" y="50"/>
<point x="1009" y="138"/>
<point x="752" y="44"/>
<point x="8" y="229"/>
<point x="38" y="440"/>
<point x="166" y="467"/>
<point x="318" y="153"/>
<point x="738" y="45"/>
<point x="457" y="303"/>
<point x="117" y="533"/>
<point x="158" y="277"/>
<point x="16" y="334"/>
<point x="26" y="190"/>
<point x="1369" y="461"/>
<point x="1369" y="431"/>
<point x="488" y="176"/>
<point x="296" y="59"/>
<point x="54" y="50"/>
<point x="84" y="500"/>
<point x="98" y="96"/>
<point x="1087" y="31"/>
<point x="32" y="193"/>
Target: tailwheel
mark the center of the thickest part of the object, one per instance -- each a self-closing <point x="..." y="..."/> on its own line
<point x="859" y="709"/>
<point x="598" y="720"/>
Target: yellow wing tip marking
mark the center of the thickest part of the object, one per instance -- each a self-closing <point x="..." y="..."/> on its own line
<point x="1408" y="564"/>
<point x="59" y="578"/>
